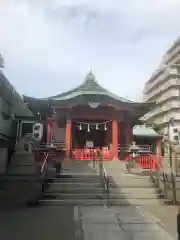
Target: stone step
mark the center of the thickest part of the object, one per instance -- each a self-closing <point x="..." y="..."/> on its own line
<point x="100" y="202"/>
<point x="96" y="184"/>
<point x="79" y="176"/>
<point x="133" y="182"/>
<point x="59" y="185"/>
<point x="76" y="180"/>
<point x="99" y="190"/>
<point x="132" y="176"/>
<point x="91" y="189"/>
<point x="100" y="195"/>
<point x="75" y="190"/>
<point x="137" y="190"/>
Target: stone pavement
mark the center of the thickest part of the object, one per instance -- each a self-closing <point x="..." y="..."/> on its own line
<point x="38" y="223"/>
<point x="167" y="215"/>
<point x="125" y="223"/>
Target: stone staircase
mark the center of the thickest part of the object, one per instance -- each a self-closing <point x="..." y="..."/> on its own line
<point x="87" y="189"/>
<point x="135" y="188"/>
<point x="74" y="190"/>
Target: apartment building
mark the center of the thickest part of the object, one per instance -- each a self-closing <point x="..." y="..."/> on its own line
<point x="164" y="88"/>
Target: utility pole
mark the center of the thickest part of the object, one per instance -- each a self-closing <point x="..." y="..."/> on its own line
<point x="178" y="89"/>
<point x="172" y="174"/>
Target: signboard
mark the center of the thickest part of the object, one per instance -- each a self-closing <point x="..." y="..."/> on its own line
<point x="89" y="144"/>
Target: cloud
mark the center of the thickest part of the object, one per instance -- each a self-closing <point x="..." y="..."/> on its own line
<point x="48" y="46"/>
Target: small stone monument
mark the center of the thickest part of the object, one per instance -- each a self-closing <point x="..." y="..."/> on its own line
<point x="134" y="150"/>
<point x="20" y="146"/>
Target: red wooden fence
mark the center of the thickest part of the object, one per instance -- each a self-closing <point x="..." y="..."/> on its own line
<point x="149" y="161"/>
<point x="90" y="154"/>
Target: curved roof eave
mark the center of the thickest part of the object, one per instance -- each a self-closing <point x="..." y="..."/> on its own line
<point x="64" y="97"/>
<point x="138" y="108"/>
<point x="78" y="93"/>
<point x="27" y="98"/>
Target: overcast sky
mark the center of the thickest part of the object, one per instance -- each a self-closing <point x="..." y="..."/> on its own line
<point x="48" y="46"/>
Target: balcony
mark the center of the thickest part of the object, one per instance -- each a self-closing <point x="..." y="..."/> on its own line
<point x="6" y="128"/>
<point x="170" y="73"/>
<point x="161" y="109"/>
<point x="168" y="95"/>
<point x="162" y="89"/>
<point x="171" y="56"/>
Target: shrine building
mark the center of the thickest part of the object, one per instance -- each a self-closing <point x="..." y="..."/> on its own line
<point x="88" y="117"/>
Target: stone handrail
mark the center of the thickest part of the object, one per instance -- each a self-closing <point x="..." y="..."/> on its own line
<point x="106" y="180"/>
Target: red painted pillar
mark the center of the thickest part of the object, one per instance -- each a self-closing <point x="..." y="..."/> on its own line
<point x="159" y="150"/>
<point x="68" y="137"/>
<point x="115" y="139"/>
<point x="49" y="130"/>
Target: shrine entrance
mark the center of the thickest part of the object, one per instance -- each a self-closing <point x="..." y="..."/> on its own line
<point x="88" y="134"/>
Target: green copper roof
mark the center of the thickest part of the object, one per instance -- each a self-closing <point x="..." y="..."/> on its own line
<point x="143" y="131"/>
<point x="90" y="86"/>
